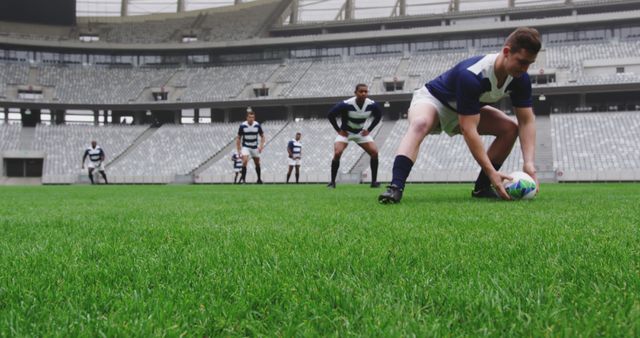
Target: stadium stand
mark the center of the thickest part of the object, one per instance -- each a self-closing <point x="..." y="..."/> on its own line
<point x="9" y="137"/>
<point x="592" y="146"/>
<point x="221" y="83"/>
<point x="319" y="136"/>
<point x="328" y="78"/>
<point x="176" y="150"/>
<point x="12" y="73"/>
<point x="100" y="84"/>
<point x="64" y="146"/>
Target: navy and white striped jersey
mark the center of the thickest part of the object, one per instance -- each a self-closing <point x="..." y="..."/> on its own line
<point x="472" y="83"/>
<point x="296" y="148"/>
<point x="353" y="117"/>
<point x="237" y="160"/>
<point x="249" y="134"/>
<point x="95" y="154"/>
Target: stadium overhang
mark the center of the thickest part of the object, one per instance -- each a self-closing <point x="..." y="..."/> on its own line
<point x="603" y="19"/>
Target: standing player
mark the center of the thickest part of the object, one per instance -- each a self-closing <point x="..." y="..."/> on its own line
<point x="237" y="165"/>
<point x="96" y="158"/>
<point x="294" y="148"/>
<point x="353" y="113"/>
<point x="247" y="144"/>
<point x="457" y="102"/>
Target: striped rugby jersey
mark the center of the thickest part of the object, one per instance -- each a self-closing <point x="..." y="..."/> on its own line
<point x="353" y="117"/>
<point x="472" y="83"/>
<point x="296" y="148"/>
<point x="249" y="134"/>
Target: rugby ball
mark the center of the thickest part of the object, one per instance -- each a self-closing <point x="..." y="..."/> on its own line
<point x="521" y="187"/>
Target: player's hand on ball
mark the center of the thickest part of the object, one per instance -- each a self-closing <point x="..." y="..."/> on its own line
<point x="496" y="181"/>
<point x="530" y="169"/>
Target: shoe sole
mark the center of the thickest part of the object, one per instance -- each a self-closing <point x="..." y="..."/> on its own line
<point x="386" y="200"/>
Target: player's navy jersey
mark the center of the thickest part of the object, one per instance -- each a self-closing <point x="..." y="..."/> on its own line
<point x="353" y="117"/>
<point x="237" y="161"/>
<point x="95" y="154"/>
<point x="296" y="148"/>
<point x="249" y="134"/>
<point x="472" y="83"/>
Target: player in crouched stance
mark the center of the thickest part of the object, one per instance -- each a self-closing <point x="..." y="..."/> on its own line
<point x="294" y="148"/>
<point x="96" y="158"/>
<point x="457" y="102"/>
<point x="353" y="114"/>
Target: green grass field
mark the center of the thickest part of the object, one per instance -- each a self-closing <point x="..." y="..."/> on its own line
<point x="281" y="260"/>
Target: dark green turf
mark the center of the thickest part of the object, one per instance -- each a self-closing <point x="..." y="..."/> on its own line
<point x="307" y="261"/>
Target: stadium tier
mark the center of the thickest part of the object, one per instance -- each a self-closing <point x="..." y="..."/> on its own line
<point x="586" y="147"/>
<point x="96" y="84"/>
<point x="9" y="137"/>
<point x="317" y="138"/>
<point x="172" y="150"/>
<point x="64" y="146"/>
<point x="590" y="147"/>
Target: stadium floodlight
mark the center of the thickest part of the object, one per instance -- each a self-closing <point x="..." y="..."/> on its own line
<point x="542" y="97"/>
<point x="148" y="112"/>
<point x="249" y="109"/>
<point x="387" y="104"/>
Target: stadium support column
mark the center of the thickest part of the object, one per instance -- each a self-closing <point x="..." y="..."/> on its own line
<point x="226" y="115"/>
<point x="349" y="8"/>
<point x="124" y="7"/>
<point x="181" y="6"/>
<point x="6" y="114"/>
<point x="58" y="116"/>
<point x="402" y="4"/>
<point x="454" y="5"/>
<point x="289" y="113"/>
<point x="96" y="117"/>
<point x="293" y="18"/>
<point x="177" y="116"/>
<point x="196" y="115"/>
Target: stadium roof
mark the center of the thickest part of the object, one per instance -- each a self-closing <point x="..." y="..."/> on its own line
<point x="310" y="10"/>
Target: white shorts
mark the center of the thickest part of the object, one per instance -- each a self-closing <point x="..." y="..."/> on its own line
<point x="96" y="165"/>
<point x="237" y="170"/>
<point x="357" y="138"/>
<point x="448" y="117"/>
<point x="294" y="161"/>
<point x="254" y="153"/>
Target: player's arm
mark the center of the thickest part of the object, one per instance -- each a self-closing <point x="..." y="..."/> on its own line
<point x="102" y="155"/>
<point x="84" y="157"/>
<point x="290" y="149"/>
<point x="468" y="91"/>
<point x="239" y="140"/>
<point x="336" y="111"/>
<point x="263" y="139"/>
<point x="377" y="116"/>
<point x="469" y="130"/>
<point x="522" y="103"/>
<point x="527" y="134"/>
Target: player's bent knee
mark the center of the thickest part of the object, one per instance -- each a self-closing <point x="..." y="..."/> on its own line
<point x="420" y="126"/>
